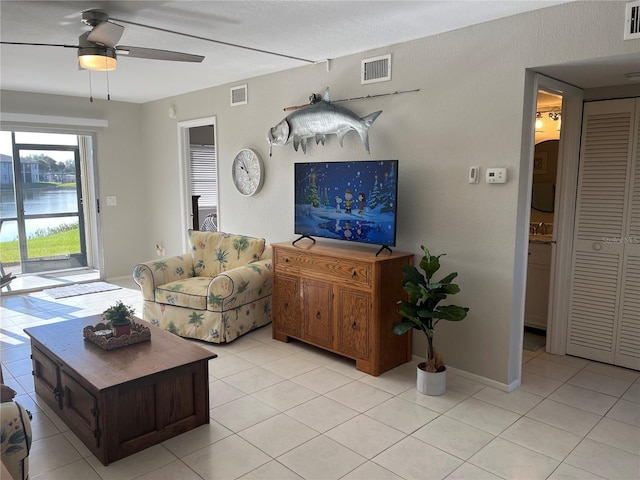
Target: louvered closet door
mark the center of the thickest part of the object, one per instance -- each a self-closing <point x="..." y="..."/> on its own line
<point x="604" y="295"/>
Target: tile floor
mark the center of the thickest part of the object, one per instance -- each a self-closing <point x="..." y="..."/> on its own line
<point x="289" y="411"/>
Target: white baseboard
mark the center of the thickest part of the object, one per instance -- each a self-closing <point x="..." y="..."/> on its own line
<point x="477" y="378"/>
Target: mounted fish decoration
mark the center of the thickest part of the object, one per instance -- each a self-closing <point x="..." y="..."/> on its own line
<point x="317" y="120"/>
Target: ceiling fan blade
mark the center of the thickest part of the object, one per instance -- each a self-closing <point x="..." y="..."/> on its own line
<point x="155" y="54"/>
<point x="106" y="33"/>
<point x="40" y="44"/>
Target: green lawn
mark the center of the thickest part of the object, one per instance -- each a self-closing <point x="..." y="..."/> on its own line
<point x="55" y="244"/>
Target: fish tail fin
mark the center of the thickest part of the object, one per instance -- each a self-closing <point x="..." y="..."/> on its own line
<point x="364" y="131"/>
<point x="369" y="119"/>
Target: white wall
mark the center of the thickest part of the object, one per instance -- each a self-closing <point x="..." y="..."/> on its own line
<point x="472" y="84"/>
<point x="120" y="169"/>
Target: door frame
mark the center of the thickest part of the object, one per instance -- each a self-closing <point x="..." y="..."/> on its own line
<point x="183" y="159"/>
<point x="565" y="210"/>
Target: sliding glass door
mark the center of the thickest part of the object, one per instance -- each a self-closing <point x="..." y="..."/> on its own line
<point x="42" y="218"/>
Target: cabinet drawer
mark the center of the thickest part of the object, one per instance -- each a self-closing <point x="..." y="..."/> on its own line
<point x="331" y="268"/>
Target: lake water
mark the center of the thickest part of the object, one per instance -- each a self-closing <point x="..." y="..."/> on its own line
<point x="37" y="202"/>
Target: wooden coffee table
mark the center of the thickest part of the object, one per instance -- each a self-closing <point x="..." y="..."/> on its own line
<point x="120" y="401"/>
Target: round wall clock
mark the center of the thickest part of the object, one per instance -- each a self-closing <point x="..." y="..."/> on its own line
<point x="248" y="172"/>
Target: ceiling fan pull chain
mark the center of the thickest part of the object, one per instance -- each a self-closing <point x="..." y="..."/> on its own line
<point x="108" y="91"/>
<point x="90" y="88"/>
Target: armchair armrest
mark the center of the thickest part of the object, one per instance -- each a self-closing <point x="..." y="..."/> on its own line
<point x="254" y="280"/>
<point x="150" y="275"/>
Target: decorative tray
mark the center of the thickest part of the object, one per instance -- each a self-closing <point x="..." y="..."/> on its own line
<point x="100" y="335"/>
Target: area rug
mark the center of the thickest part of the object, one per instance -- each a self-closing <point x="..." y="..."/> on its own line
<point x="80" y="289"/>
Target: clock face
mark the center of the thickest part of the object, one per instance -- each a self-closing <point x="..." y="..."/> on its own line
<point x="248" y="172"/>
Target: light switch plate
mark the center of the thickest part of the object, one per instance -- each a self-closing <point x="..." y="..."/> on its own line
<point x="111" y="201"/>
<point x="496" y="175"/>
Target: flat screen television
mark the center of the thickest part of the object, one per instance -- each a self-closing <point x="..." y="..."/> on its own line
<point x="355" y="201"/>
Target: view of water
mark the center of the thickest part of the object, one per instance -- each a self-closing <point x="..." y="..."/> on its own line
<point x="37" y="202"/>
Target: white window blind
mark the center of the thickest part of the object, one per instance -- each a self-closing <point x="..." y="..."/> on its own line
<point x="204" y="176"/>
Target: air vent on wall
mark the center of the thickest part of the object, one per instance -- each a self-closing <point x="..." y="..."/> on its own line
<point x="632" y="21"/>
<point x="376" y="69"/>
<point x="238" y="95"/>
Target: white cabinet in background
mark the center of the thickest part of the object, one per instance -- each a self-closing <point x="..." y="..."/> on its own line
<point x="538" y="274"/>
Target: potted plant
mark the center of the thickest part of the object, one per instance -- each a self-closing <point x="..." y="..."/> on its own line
<point x="422" y="311"/>
<point x="119" y="316"/>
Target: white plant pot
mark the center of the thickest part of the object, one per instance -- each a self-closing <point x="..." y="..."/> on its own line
<point x="430" y="383"/>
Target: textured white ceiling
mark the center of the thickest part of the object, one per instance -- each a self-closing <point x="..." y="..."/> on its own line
<point x="313" y="30"/>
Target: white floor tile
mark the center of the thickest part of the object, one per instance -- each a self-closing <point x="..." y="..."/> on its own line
<point x="565" y="417"/>
<point x="625" y="411"/>
<point x="310" y="459"/>
<point x="402" y="414"/>
<point x="288" y="367"/>
<point x="200" y="437"/>
<point x="365" y="436"/>
<point x="511" y="461"/>
<point x="321" y="413"/>
<point x="617" y="434"/>
<point x="135" y="465"/>
<point x="79" y="470"/>
<point x="517" y="401"/>
<point x="483" y="415"/>
<point x="538" y="385"/>
<point x="550" y="369"/>
<point x="51" y="453"/>
<point x="633" y="393"/>
<point x="262" y="354"/>
<point x="413" y="459"/>
<point x="358" y="396"/>
<point x="371" y="471"/>
<point x="222" y="367"/>
<point x="468" y="471"/>
<point x="439" y="403"/>
<point x="542" y="438"/>
<point x="229" y="458"/>
<point x="172" y="471"/>
<point x="250" y="381"/>
<point x="600" y="383"/>
<point x="454" y="437"/>
<point x="604" y="460"/>
<point x="268" y="435"/>
<point x="568" y="472"/>
<point x="242" y="413"/>
<point x="273" y="470"/>
<point x="285" y="395"/>
<point x="322" y="380"/>
<point x="589" y="400"/>
<point x="221" y="392"/>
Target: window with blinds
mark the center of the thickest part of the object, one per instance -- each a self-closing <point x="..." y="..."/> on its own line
<point x="204" y="175"/>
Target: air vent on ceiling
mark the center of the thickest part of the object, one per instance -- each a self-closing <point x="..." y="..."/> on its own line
<point x="376" y="69"/>
<point x="238" y="95"/>
<point x="632" y="21"/>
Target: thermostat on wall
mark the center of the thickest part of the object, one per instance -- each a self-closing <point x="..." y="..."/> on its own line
<point x="496" y="175"/>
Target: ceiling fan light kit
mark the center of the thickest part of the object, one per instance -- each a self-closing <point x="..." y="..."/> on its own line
<point x="99" y="59"/>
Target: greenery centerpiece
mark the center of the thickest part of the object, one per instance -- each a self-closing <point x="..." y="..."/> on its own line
<point x="119" y="316"/>
<point x="422" y="309"/>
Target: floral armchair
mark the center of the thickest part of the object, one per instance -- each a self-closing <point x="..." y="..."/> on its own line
<point x="216" y="293"/>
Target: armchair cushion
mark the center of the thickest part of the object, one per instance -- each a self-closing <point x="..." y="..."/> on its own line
<point x="216" y="252"/>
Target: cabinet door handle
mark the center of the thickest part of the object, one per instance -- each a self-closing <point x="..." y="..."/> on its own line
<point x="318" y="316"/>
<point x="354" y="274"/>
<point x="353" y="325"/>
<point x="286" y="305"/>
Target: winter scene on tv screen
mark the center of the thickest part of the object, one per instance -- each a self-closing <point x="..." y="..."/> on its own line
<point x="354" y="201"/>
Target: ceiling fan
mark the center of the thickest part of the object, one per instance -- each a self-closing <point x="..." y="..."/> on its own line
<point x="98" y="48"/>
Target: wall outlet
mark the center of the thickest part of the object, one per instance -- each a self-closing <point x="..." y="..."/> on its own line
<point x="496" y="175"/>
<point x="160" y="250"/>
<point x="111" y="201"/>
